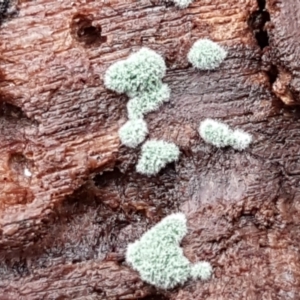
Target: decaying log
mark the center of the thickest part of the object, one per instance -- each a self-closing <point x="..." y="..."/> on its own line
<point x="70" y="198"/>
<point x="82" y="281"/>
<point x="283" y="55"/>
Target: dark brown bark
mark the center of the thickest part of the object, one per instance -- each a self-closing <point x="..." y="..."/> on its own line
<point x="90" y="280"/>
<point x="283" y="53"/>
<point x="64" y="230"/>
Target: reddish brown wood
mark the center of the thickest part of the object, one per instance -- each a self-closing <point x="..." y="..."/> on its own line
<point x="65" y="229"/>
<point x="91" y="280"/>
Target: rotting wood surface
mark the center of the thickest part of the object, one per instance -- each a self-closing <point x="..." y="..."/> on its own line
<point x="65" y="228"/>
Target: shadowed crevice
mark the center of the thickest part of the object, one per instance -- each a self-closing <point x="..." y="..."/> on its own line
<point x="257" y="21"/>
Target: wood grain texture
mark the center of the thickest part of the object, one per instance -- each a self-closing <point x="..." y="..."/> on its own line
<point x="65" y="229"/>
<point x="92" y="280"/>
<point x="284" y="50"/>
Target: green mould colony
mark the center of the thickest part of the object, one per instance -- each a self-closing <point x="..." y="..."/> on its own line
<point x="157" y="255"/>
